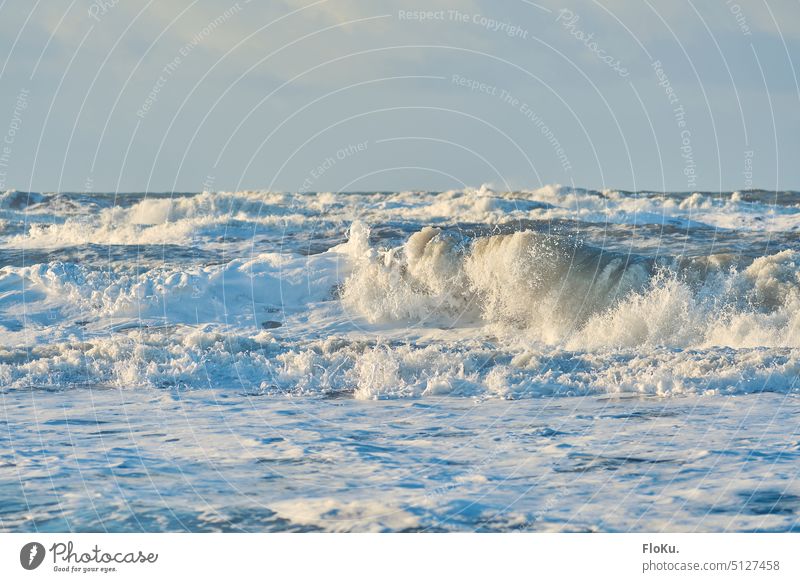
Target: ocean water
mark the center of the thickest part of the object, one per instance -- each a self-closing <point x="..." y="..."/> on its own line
<point x="557" y="359"/>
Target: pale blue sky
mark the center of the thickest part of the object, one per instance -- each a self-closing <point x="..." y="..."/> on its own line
<point x="367" y="95"/>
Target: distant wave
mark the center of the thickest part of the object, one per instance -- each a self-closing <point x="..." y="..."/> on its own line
<point x="57" y="220"/>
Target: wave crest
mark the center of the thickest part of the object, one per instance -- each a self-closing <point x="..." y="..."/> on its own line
<point x="558" y="290"/>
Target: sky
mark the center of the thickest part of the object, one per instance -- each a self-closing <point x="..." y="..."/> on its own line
<point x="375" y="95"/>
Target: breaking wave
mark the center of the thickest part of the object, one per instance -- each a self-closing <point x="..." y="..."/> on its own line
<point x="560" y="291"/>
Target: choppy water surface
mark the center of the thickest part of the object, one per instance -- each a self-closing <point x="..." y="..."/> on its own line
<point x="555" y="359"/>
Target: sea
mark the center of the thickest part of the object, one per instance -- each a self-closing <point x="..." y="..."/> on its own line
<point x="556" y="359"/>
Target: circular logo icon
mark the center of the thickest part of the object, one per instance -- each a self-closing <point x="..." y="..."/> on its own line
<point x="31" y="555"/>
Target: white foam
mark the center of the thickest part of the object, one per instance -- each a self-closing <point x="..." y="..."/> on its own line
<point x="557" y="292"/>
<point x="441" y="313"/>
<point x="54" y="221"/>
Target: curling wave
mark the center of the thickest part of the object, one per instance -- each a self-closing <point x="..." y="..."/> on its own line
<point x="558" y="290"/>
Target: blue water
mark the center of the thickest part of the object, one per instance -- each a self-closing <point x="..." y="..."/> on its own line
<point x="548" y="360"/>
